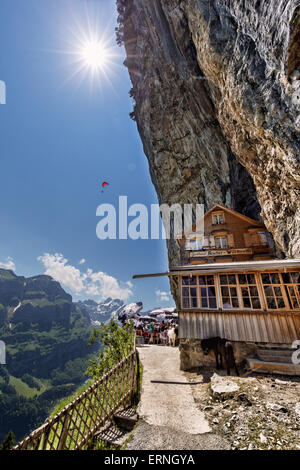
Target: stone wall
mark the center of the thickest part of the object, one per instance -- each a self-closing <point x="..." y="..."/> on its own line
<point x="192" y="356"/>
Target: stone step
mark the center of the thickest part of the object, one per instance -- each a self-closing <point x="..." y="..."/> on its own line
<point x="111" y="435"/>
<point x="271" y="358"/>
<point x="126" y="419"/>
<point x="275" y="352"/>
<point x="272" y="367"/>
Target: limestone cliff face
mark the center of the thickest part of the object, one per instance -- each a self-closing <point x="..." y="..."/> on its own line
<point x="216" y="91"/>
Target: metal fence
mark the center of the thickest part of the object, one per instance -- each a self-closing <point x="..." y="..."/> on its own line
<point x="73" y="427"/>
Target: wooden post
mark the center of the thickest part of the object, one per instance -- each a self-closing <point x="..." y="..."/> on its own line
<point x="64" y="433"/>
<point x="132" y="366"/>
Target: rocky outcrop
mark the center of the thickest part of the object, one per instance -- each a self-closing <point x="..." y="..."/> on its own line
<point x="38" y="299"/>
<point x="216" y="101"/>
<point x="41" y="327"/>
<point x="11" y="288"/>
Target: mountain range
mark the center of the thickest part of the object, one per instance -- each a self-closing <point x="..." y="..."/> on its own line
<point x="102" y="311"/>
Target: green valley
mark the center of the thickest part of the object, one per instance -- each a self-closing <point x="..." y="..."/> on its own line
<point x="46" y="337"/>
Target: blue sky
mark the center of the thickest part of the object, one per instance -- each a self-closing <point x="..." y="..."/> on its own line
<point x="61" y="136"/>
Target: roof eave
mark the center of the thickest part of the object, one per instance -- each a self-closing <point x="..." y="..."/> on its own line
<point x="226" y="267"/>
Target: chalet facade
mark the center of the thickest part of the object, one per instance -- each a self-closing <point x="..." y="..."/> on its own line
<point x="228" y="236"/>
<point x="231" y="285"/>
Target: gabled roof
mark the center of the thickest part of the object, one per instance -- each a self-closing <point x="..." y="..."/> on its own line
<point x="235" y="213"/>
<point x="219" y="207"/>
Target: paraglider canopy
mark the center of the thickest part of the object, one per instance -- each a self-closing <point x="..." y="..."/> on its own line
<point x="105" y="183"/>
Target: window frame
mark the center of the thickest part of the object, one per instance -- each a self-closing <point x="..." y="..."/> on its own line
<point x="262" y="234"/>
<point x="198" y="294"/>
<point x="258" y="284"/>
<point x="221" y="237"/>
<point x="248" y="286"/>
<point x="294" y="285"/>
<point x="217" y="214"/>
<point x="189" y="287"/>
<point x="189" y="242"/>
<point x="258" y="237"/>
<point x="228" y="286"/>
<point x="207" y="286"/>
<point x="273" y="285"/>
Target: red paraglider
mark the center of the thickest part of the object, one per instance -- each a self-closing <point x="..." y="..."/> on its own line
<point x="105" y="183"/>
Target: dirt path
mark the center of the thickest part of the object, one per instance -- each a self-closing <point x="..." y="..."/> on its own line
<point x="170" y="417"/>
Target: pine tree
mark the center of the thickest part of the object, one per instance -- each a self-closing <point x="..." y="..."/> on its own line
<point x="8" y="442"/>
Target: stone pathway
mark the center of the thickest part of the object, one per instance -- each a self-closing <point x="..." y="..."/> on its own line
<point x="170" y="417"/>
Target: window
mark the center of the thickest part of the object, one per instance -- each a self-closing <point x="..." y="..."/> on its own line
<point x="221" y="242"/>
<point x="258" y="238"/>
<point x="207" y="292"/>
<point x="198" y="292"/>
<point x="194" y="244"/>
<point x="218" y="218"/>
<point x="239" y="291"/>
<point x="291" y="283"/>
<point x="249" y="291"/>
<point x="273" y="291"/>
<point x="263" y="238"/>
<point x="229" y="291"/>
<point x="189" y="292"/>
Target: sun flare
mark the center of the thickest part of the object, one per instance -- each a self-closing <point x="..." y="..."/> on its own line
<point x="95" y="55"/>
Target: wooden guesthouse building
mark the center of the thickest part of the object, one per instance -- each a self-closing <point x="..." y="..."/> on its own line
<point x="230" y="284"/>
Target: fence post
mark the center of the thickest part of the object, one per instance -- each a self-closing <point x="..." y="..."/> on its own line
<point x="64" y="433"/>
<point x="134" y="372"/>
<point x="45" y="437"/>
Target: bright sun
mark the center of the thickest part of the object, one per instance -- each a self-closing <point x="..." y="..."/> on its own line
<point x="95" y="55"/>
<point x="92" y="50"/>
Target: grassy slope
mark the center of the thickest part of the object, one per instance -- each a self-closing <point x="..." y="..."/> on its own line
<point x="67" y="400"/>
<point x="24" y="390"/>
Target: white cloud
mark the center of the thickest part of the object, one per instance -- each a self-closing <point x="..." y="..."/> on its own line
<point x="8" y="264"/>
<point x="82" y="261"/>
<point x="88" y="283"/>
<point x="163" y="296"/>
<point x="57" y="267"/>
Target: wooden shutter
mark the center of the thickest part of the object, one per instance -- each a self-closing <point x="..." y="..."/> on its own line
<point x="230" y="240"/>
<point x="248" y="241"/>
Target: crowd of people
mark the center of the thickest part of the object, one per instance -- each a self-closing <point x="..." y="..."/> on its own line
<point x="157" y="332"/>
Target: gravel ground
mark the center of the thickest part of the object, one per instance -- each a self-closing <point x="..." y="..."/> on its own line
<point x="264" y="413"/>
<point x="170" y="418"/>
<point x="149" y="437"/>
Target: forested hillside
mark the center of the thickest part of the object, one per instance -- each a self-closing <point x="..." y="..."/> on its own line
<point x="46" y="338"/>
